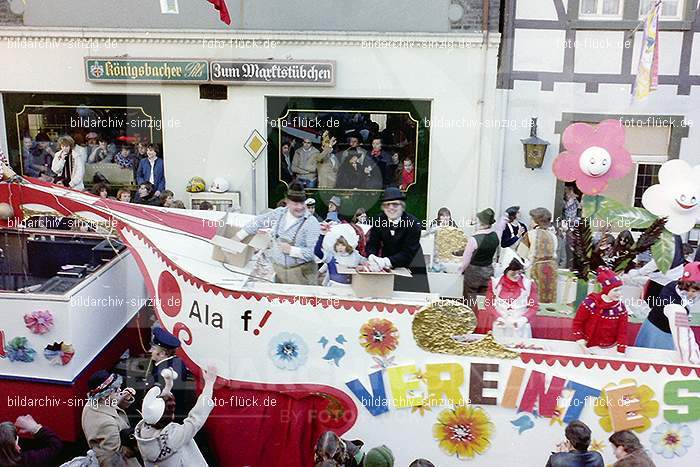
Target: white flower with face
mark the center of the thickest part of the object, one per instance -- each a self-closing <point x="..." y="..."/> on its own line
<point x="676" y="196"/>
<point x="595" y="161"/>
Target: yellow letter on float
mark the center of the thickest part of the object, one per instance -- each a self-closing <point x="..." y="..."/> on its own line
<point x="449" y="387"/>
<point x="403" y="390"/>
<point x="622" y="400"/>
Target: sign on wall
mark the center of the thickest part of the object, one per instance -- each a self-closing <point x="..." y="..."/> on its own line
<point x="146" y="70"/>
<point x="274" y="72"/>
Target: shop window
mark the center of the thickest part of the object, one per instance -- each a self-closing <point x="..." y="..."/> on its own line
<point x="601" y="9"/>
<point x="670" y="9"/>
<point x="356" y="169"/>
<point x="647" y="175"/>
<point x="111" y="133"/>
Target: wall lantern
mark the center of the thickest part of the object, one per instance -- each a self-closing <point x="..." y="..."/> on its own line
<point x="534" y="148"/>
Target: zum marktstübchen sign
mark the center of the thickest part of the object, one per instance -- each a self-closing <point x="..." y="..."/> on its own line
<point x="236" y="72"/>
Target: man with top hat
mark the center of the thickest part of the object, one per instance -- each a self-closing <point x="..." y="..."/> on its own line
<point x="163" y="348"/>
<point x="294" y="232"/>
<point x="656" y="332"/>
<point x="600" y="324"/>
<point x="394" y="242"/>
<point x="477" y="259"/>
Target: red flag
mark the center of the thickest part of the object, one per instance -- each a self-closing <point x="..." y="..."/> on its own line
<point x="223" y="10"/>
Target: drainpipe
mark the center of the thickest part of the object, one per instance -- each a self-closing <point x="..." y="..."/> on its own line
<point x="484" y="62"/>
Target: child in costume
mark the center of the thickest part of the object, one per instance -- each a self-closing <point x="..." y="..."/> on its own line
<point x="511" y="300"/>
<point x="600" y="325"/>
<point x="337" y="247"/>
<point x="657" y="330"/>
<point x="333" y="206"/>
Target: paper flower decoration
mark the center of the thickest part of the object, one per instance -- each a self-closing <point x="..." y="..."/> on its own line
<point x="39" y="322"/>
<point x="676" y="196"/>
<point x="594" y="155"/>
<point x="650" y="407"/>
<point x="463" y="431"/>
<point x="379" y="336"/>
<point x="288" y="351"/>
<point x="671" y="440"/>
<point x="19" y="350"/>
<point x="59" y="353"/>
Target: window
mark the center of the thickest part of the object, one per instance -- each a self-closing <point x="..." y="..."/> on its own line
<point x="670" y="9"/>
<point x="169" y="7"/>
<point x="647" y="175"/>
<point x="601" y="9"/>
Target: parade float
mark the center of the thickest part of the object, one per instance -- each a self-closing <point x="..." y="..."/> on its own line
<point x="406" y="370"/>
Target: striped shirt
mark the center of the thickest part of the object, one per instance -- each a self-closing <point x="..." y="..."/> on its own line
<point x="302" y="234"/>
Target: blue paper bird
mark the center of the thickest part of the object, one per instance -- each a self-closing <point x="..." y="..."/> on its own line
<point x="334" y="354"/>
<point x="523" y="423"/>
<point x="340" y="339"/>
<point x="323" y="341"/>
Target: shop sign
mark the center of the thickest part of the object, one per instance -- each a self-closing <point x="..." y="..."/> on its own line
<point x="274" y="72"/>
<point x="116" y="70"/>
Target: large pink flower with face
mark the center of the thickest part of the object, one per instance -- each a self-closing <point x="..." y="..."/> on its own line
<point x="594" y="155"/>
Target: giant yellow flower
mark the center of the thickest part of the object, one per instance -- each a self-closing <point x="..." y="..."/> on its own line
<point x="650" y="407"/>
<point x="463" y="431"/>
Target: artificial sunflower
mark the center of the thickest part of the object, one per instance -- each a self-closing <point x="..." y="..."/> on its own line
<point x="650" y="407"/>
<point x="379" y="336"/>
<point x="463" y="431"/>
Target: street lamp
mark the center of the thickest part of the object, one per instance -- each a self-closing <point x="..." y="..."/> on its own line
<point x="534" y="148"/>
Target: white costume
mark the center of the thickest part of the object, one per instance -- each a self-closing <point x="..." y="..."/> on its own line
<point x="683" y="336"/>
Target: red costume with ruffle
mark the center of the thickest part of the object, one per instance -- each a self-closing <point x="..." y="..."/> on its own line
<point x="601" y="323"/>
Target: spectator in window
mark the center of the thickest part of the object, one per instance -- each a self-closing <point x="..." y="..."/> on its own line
<point x="11" y="454"/>
<point x="286" y="173"/>
<point x="382" y="159"/>
<point x="354" y="145"/>
<point x="421" y="463"/>
<point x="167" y="198"/>
<point x="152" y="170"/>
<point x="124" y="196"/>
<point x="100" y="153"/>
<point x="328" y="166"/>
<point x="139" y="155"/>
<point x="407" y="174"/>
<point x="178" y="204"/>
<point x="146" y="195"/>
<point x="67" y="165"/>
<point x="125" y="158"/>
<point x="91" y="141"/>
<point x="351" y="174"/>
<point x="574" y="451"/>
<point x="35" y="161"/>
<point x="304" y="164"/>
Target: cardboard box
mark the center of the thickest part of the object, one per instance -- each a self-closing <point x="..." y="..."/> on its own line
<point x="373" y="284"/>
<point x="230" y="251"/>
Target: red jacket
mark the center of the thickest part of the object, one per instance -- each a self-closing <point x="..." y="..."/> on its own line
<point x="601" y="323"/>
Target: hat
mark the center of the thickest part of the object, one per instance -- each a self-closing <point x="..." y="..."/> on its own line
<point x="335" y="200"/>
<point x="512" y="211"/>
<point x="296" y="192"/>
<point x="379" y="457"/>
<point x="392" y="194"/>
<point x="608" y="279"/>
<point x="486" y="217"/>
<point x="101" y="383"/>
<point x="310" y="202"/>
<point x="691" y="272"/>
<point x="219" y="185"/>
<point x="511" y="261"/>
<point x="164" y="339"/>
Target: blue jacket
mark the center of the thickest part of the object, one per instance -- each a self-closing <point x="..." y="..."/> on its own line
<point x="143" y="173"/>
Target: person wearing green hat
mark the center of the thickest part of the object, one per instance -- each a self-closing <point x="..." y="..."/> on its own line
<point x="477" y="259"/>
<point x="379" y="457"/>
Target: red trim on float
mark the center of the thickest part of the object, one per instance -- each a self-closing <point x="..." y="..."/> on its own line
<point x="589" y="363"/>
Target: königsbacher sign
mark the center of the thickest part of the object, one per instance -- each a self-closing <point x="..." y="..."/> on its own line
<point x="193" y="71"/>
<point x="118" y="70"/>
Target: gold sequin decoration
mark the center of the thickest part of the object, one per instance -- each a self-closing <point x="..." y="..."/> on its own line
<point x="435" y="325"/>
<point x="447" y="241"/>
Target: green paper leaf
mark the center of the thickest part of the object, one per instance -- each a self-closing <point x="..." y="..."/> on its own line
<point x="663" y="250"/>
<point x="615" y="215"/>
<point x="589" y="206"/>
